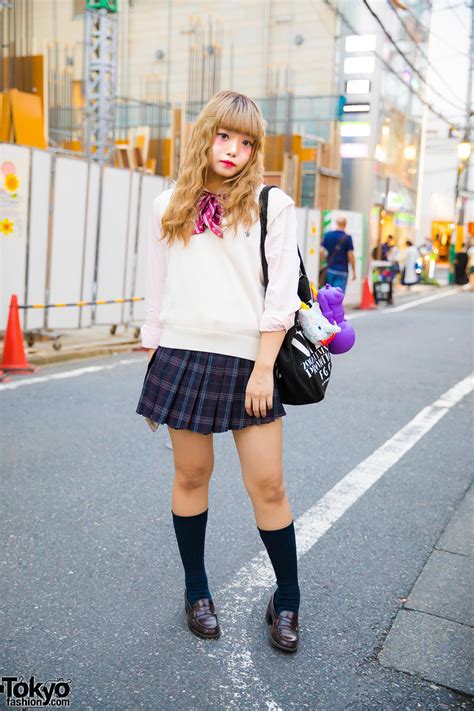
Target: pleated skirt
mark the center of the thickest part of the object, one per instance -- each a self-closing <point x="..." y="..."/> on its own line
<point x="201" y="392"/>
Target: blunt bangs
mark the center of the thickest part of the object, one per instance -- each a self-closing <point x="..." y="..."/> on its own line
<point x="241" y="115"/>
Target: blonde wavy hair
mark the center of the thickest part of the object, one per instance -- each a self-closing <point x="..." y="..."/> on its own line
<point x="235" y="112"/>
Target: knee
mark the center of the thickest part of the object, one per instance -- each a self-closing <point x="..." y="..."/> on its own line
<point x="269" y="489"/>
<point x="192" y="477"/>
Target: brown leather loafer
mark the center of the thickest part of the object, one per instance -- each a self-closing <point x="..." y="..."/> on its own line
<point x="284" y="631"/>
<point x="202" y="618"/>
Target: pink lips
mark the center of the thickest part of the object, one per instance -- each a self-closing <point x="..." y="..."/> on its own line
<point x="228" y="163"/>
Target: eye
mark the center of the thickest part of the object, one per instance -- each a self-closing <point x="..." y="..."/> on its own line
<point x="223" y="135"/>
<point x="249" y="143"/>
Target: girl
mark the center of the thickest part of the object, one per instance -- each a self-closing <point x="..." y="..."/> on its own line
<point x="213" y="336"/>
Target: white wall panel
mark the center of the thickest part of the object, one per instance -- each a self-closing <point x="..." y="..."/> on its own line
<point x="127" y="309"/>
<point x="67" y="240"/>
<point x="112" y="242"/>
<point x="313" y="243"/>
<point x="38" y="226"/>
<point x="90" y="242"/>
<point x="14" y="169"/>
<point x="301" y="213"/>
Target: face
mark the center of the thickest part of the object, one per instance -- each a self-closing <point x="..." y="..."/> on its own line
<point x="230" y="154"/>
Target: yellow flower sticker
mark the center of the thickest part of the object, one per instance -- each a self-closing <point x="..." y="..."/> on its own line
<point x="6" y="226"/>
<point x="11" y="183"/>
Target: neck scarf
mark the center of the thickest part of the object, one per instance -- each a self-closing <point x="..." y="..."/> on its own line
<point x="209" y="214"/>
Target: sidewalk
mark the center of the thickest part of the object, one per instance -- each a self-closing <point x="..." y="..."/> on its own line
<point x="432" y="635"/>
<point x="76" y="344"/>
<point x="96" y="341"/>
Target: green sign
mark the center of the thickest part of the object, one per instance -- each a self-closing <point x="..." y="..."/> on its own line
<point x="110" y="5"/>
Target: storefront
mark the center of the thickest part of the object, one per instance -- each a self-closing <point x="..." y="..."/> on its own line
<point x="441" y="236"/>
<point x="393" y="216"/>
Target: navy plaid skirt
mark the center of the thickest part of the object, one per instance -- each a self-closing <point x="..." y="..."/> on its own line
<point x="201" y="392"/>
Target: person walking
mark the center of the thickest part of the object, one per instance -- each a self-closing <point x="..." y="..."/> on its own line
<point x="460" y="267"/>
<point x="410" y="276"/>
<point x="340" y="254"/>
<point x="213" y="335"/>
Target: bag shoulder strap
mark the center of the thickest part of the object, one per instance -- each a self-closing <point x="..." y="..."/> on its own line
<point x="263" y="204"/>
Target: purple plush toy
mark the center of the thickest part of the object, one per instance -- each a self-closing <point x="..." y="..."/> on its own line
<point x="330" y="299"/>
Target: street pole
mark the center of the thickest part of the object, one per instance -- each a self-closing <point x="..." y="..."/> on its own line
<point x="462" y="178"/>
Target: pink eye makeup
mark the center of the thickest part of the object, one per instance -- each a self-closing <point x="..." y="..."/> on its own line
<point x="224" y="136"/>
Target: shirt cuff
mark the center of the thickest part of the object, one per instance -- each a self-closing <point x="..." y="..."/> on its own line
<point x="278" y="320"/>
<point x="150" y="336"/>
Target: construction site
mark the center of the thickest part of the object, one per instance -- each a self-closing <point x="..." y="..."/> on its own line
<point x="94" y="124"/>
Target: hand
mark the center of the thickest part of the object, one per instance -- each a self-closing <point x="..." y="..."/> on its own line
<point x="354" y="277"/>
<point x="259" y="392"/>
<point x="150" y="353"/>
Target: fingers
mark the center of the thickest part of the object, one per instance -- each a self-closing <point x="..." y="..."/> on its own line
<point x="248" y="404"/>
<point x="258" y="407"/>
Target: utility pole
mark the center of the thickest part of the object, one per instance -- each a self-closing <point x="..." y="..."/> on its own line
<point x="462" y="181"/>
<point x="101" y="34"/>
<point x="101" y="30"/>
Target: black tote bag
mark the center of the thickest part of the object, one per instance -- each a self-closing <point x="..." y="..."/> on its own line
<point x="302" y="369"/>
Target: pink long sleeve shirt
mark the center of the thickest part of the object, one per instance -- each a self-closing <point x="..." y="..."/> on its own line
<point x="209" y="296"/>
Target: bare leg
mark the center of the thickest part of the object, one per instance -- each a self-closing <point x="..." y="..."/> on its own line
<point x="193" y="462"/>
<point x="260" y="451"/>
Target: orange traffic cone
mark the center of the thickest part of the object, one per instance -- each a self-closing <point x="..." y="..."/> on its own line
<point x="13" y="350"/>
<point x="367" y="301"/>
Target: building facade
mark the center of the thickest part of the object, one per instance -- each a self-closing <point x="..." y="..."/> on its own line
<point x="381" y="136"/>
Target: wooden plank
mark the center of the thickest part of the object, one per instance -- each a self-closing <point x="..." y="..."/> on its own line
<point x="5" y="118"/>
<point x="27" y="115"/>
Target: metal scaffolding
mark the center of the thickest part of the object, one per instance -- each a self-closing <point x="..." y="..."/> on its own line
<point x="101" y="33"/>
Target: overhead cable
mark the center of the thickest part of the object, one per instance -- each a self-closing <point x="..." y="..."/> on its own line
<point x="426" y="103"/>
<point x="425" y="56"/>
<point x="401" y="52"/>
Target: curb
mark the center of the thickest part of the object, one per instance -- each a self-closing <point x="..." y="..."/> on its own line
<point x="92" y="351"/>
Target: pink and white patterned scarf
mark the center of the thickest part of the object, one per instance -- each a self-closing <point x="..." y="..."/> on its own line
<point x="209" y="214"/>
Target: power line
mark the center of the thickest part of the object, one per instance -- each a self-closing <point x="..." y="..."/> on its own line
<point x="454" y="13"/>
<point x="449" y="7"/>
<point x="425" y="56"/>
<point x="441" y="39"/>
<point x="400" y="52"/>
<point x="344" y="19"/>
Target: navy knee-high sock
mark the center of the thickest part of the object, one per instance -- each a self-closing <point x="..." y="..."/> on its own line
<point x="281" y="548"/>
<point x="191" y="533"/>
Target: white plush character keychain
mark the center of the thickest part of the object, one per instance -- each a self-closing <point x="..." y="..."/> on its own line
<point x="316" y="327"/>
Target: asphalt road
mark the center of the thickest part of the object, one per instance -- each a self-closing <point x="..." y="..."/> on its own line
<point x="92" y="584"/>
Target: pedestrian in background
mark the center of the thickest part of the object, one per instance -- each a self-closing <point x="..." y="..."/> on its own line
<point x="213" y="335"/>
<point x="460" y="268"/>
<point x="470" y="263"/>
<point x="340" y="254"/>
<point x="393" y="256"/>
<point x="410" y="275"/>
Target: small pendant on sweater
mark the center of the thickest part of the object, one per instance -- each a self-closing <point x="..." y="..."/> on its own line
<point x="247" y="233"/>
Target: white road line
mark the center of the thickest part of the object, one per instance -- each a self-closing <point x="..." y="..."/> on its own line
<point x="424" y="300"/>
<point x="402" y="307"/>
<point x="96" y="368"/>
<point x="67" y="374"/>
<point x="253" y="579"/>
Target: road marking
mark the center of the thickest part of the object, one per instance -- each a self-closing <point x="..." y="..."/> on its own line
<point x="403" y="307"/>
<point x="424" y="300"/>
<point x="67" y="374"/>
<point x="253" y="579"/>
